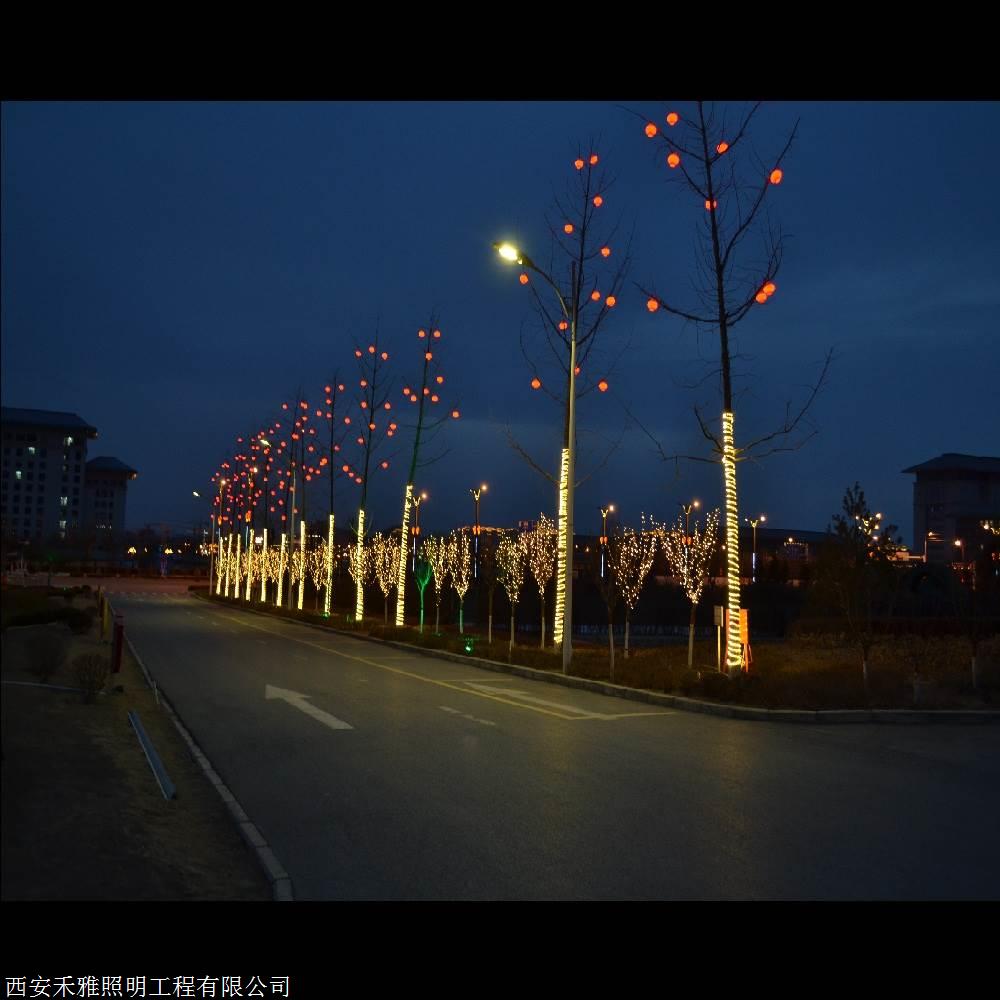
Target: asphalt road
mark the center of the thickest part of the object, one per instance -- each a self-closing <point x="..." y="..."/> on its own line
<point x="378" y="774"/>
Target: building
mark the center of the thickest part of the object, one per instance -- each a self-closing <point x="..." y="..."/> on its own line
<point x="49" y="489"/>
<point x="952" y="496"/>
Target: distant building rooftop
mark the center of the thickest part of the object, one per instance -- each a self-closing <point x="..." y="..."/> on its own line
<point x="55" y="419"/>
<point x="105" y="463"/>
<point x="953" y="462"/>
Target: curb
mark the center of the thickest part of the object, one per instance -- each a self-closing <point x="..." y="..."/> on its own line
<point x="281" y="882"/>
<point x="743" y="712"/>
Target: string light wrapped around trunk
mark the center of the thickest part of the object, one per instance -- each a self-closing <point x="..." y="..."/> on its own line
<point x="329" y="568"/>
<point x="403" y="554"/>
<point x="281" y="570"/>
<point x="562" y="549"/>
<point x="733" y="652"/>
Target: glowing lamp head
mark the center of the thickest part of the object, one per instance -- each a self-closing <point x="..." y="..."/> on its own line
<point x="523" y="278"/>
<point x="673" y="118"/>
<point x="595" y="295"/>
<point x="437" y="334"/>
<point x="428" y="356"/>
<point x="761" y="297"/>
<point x="357" y="353"/>
<point x="776" y="176"/>
<point x="593" y="159"/>
<point x="371" y="348"/>
<point x="563" y="325"/>
<point x="598" y="201"/>
<point x="509" y="252"/>
<point x="722" y="147"/>
<point x="770" y="288"/>
<point x="673" y="160"/>
<point x="439" y="379"/>
<point x="602" y="385"/>
<point x="536" y="383"/>
<point x="578" y="163"/>
<point x="610" y="301"/>
<point x="455" y="414"/>
<point x="568" y="228"/>
<point x="605" y="251"/>
<point x="421" y="334"/>
<point x="651" y="130"/>
<point x="652" y="305"/>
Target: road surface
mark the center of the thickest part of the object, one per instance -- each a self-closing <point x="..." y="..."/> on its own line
<point x="379" y="774"/>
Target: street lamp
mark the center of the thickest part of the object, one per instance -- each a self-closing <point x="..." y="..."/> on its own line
<point x="417" y="501"/>
<point x="211" y="546"/>
<point x="476" y="493"/>
<point x="563" y="624"/>
<point x="753" y="522"/>
<point x="687" y="508"/>
<point x="610" y="509"/>
<point x="960" y="542"/>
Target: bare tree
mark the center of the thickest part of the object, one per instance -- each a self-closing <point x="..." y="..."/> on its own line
<point x="460" y="569"/>
<point x="435" y="552"/>
<point x="689" y="558"/>
<point x="540" y="546"/>
<point x="630" y="559"/>
<point x="511" y="564"/>
<point x="710" y="153"/>
<point x="571" y="310"/>
<point x="425" y="395"/>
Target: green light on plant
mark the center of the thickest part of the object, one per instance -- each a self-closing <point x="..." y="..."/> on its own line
<point x="469" y="645"/>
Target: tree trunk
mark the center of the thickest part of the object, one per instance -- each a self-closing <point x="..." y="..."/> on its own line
<point x="733" y="663"/>
<point x="864" y="671"/>
<point x="385" y="615"/>
<point x="542" y="644"/>
<point x="490" y="615"/>
<point x="511" y="648"/>
<point x="421" y="612"/>
<point x="691" y="637"/>
<point x="626" y="633"/>
<point x="611" y="642"/>
<point x="975" y="673"/>
<point x="461" y="622"/>
<point x="401" y="573"/>
<point x="437" y="619"/>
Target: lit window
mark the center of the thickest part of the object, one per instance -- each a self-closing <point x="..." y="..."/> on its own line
<point x="31" y="450"/>
<point x="63" y="501"/>
<point x="17" y="474"/>
<point x="67" y="441"/>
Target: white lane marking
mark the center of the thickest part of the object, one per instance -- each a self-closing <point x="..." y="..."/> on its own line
<point x="300" y="702"/>
<point x="464" y="715"/>
<point x="525" y="696"/>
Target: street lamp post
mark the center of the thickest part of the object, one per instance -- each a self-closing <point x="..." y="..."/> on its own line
<point x="211" y="547"/>
<point x="610" y="509"/>
<point x="753" y="522"/>
<point x="688" y="508"/>
<point x="563" y="624"/>
<point x="417" y="501"/>
<point x="476" y="493"/>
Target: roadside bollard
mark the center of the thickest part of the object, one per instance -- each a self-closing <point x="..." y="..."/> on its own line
<point x="117" y="643"/>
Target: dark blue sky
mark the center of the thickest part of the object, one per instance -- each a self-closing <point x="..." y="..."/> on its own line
<point x="173" y="271"/>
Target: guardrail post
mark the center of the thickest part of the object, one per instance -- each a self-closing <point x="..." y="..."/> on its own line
<point x="117" y="643"/>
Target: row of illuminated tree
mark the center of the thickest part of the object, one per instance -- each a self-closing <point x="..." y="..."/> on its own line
<point x="507" y="560"/>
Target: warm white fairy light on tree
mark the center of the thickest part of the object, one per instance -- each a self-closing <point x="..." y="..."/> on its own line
<point x="460" y="569"/>
<point x="360" y="567"/>
<point x="435" y="551"/>
<point x="316" y="560"/>
<point x="237" y="569"/>
<point x="385" y="558"/>
<point x="329" y="566"/>
<point x="511" y="565"/>
<point x="540" y="545"/>
<point x="630" y="560"/>
<point x="282" y="565"/>
<point x="302" y="561"/>
<point x="229" y="560"/>
<point x="265" y="567"/>
<point x="689" y="557"/>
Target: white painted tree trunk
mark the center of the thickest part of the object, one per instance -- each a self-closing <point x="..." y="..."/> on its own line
<point x="401" y="575"/>
<point x="733" y="657"/>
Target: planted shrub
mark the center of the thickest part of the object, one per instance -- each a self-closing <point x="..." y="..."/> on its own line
<point x="715" y="685"/>
<point x="80" y="620"/>
<point x="92" y="671"/>
<point x="688" y="682"/>
<point x="46" y="654"/>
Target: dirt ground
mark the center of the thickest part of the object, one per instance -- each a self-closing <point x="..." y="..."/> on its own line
<point x="82" y="815"/>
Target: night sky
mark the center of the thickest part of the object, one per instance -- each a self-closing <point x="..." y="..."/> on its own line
<point x="173" y="272"/>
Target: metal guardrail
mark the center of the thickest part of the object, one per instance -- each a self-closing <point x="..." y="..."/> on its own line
<point x="155" y="764"/>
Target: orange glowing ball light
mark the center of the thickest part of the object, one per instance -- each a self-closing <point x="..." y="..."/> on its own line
<point x="595" y="295"/>
<point x="357" y="354"/>
<point x="428" y="356"/>
<point x="673" y="118"/>
<point x="651" y="130"/>
<point x="421" y="334"/>
<point x="593" y="159"/>
<point x="385" y="355"/>
<point x="722" y="147"/>
<point x="602" y="385"/>
<point x="523" y="279"/>
<point x="598" y="201"/>
<point x="455" y="414"/>
<point x="709" y="205"/>
<point x="610" y="301"/>
<point x="568" y="228"/>
<point x="652" y="305"/>
<point x="563" y="325"/>
<point x="770" y="288"/>
<point x="578" y="164"/>
<point x="776" y="176"/>
<point x="434" y="398"/>
<point x="437" y="334"/>
<point x="440" y="380"/>
<point x="673" y="160"/>
<point x="371" y="348"/>
<point x="761" y="297"/>
<point x="536" y="383"/>
<point x="605" y="251"/>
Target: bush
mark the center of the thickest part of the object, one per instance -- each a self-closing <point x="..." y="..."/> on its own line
<point x="688" y="681"/>
<point x="714" y="685"/>
<point x="79" y="619"/>
<point x="46" y="654"/>
<point x="92" y="671"/>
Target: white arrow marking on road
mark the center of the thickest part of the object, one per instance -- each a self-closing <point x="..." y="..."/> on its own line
<point x="300" y="702"/>
<point x="524" y="696"/>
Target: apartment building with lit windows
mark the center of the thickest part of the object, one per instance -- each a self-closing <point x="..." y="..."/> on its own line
<point x="49" y="488"/>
